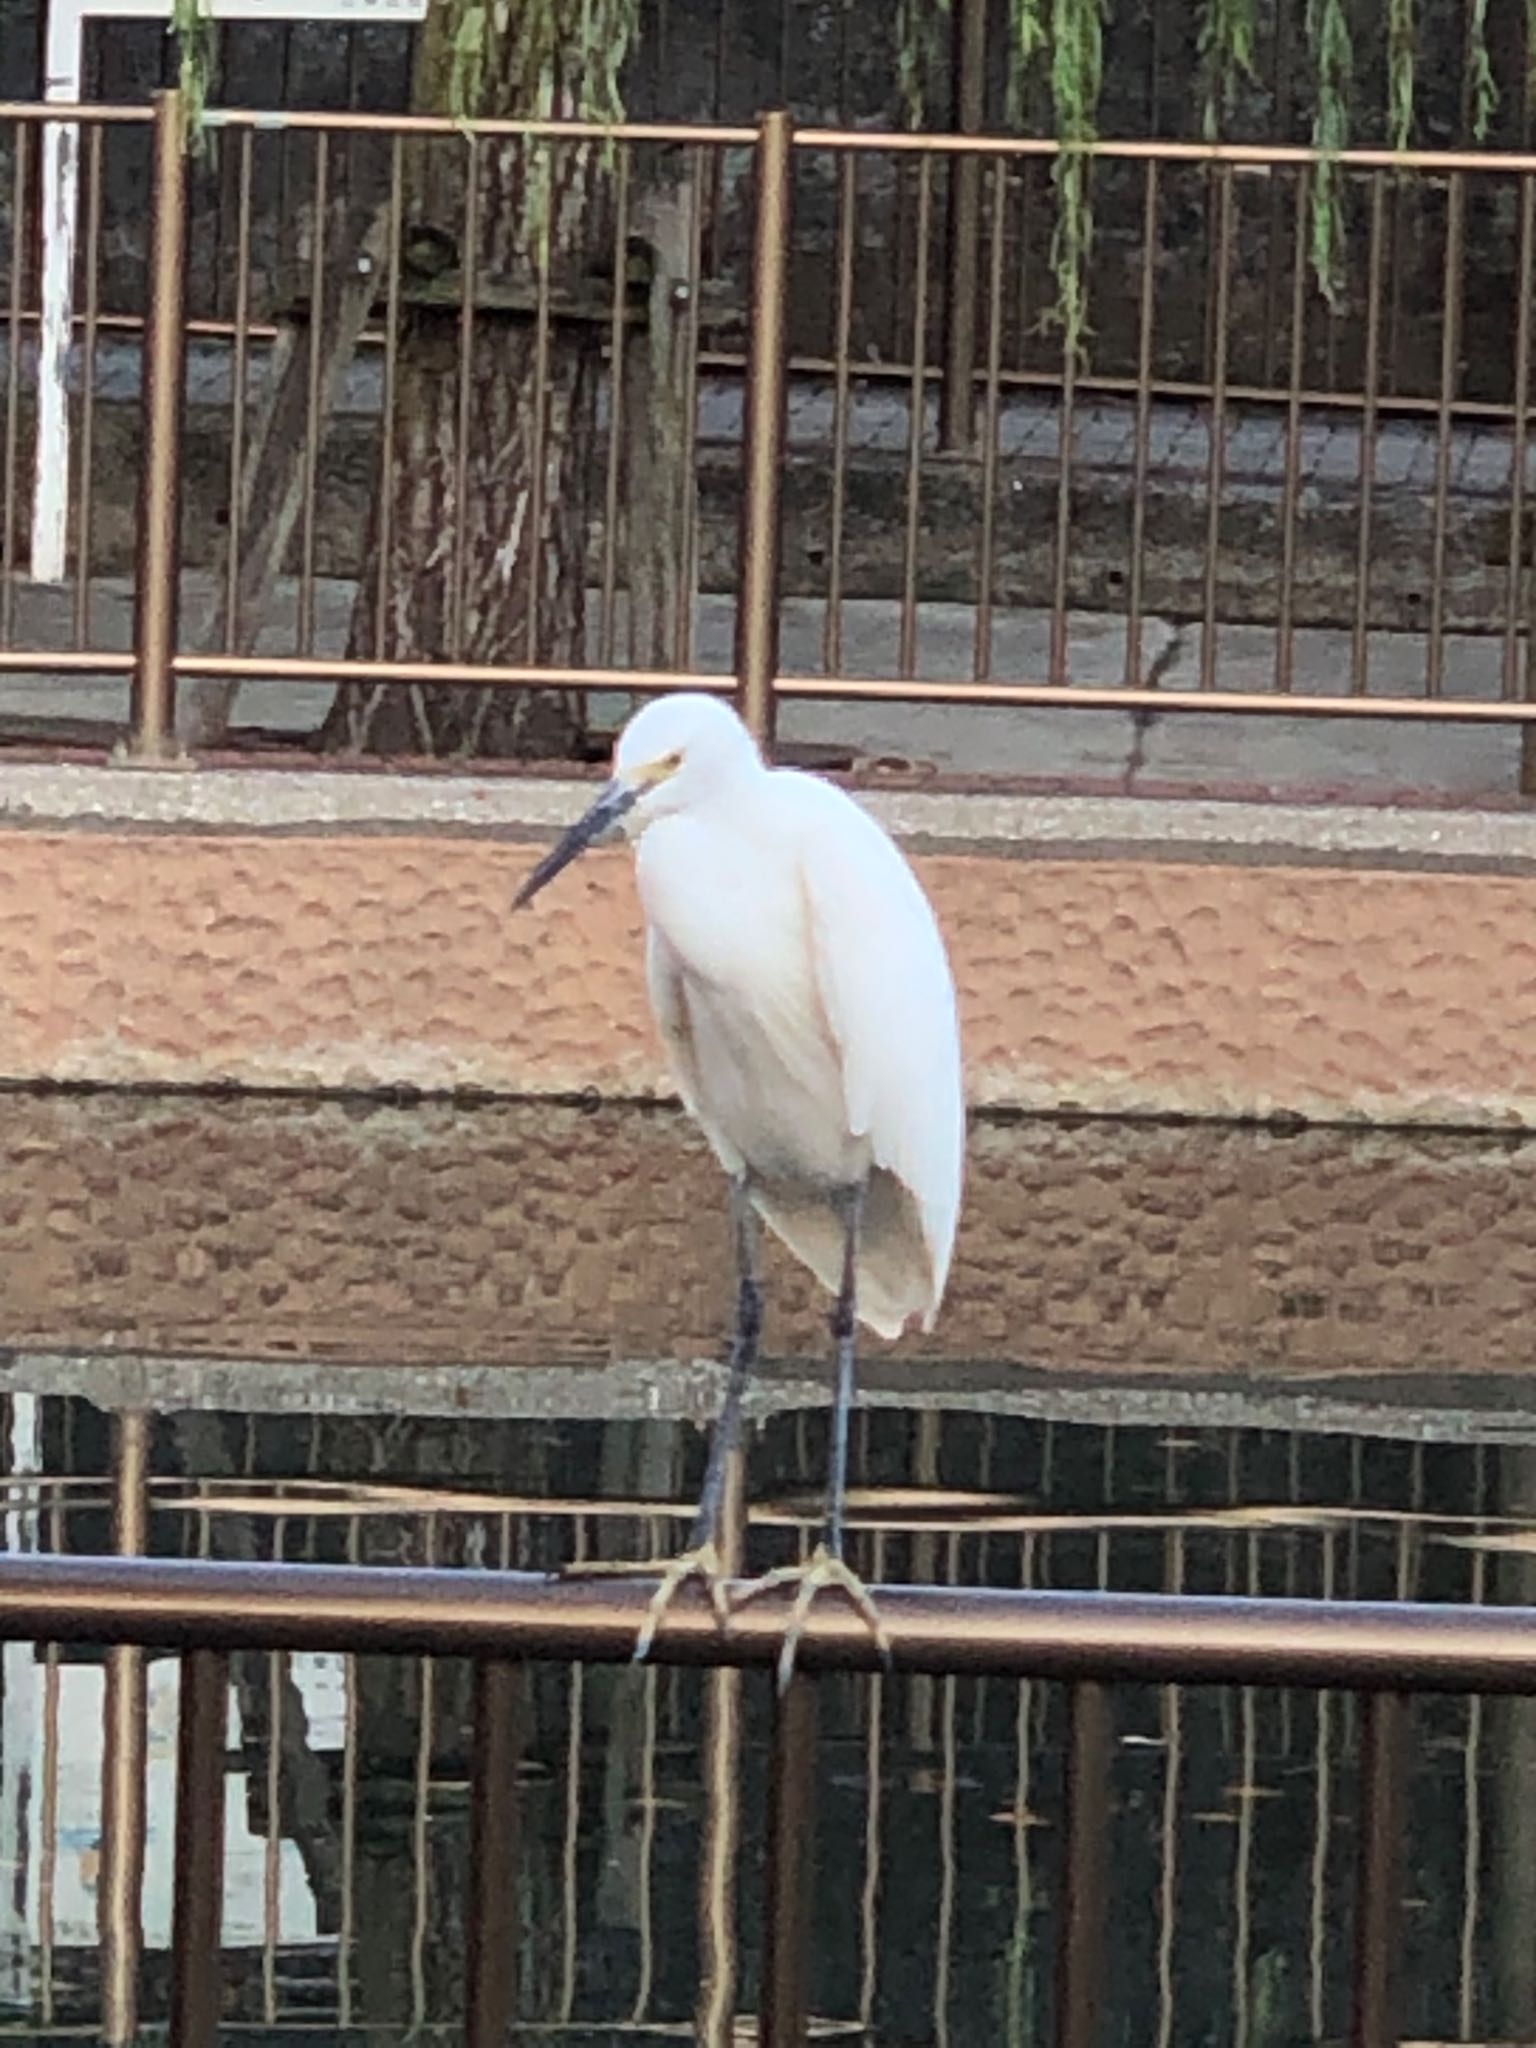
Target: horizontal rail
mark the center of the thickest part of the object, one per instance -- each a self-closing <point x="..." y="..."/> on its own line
<point x="1151" y="1638"/>
<point x="320" y="669"/>
<point x="1256" y="156"/>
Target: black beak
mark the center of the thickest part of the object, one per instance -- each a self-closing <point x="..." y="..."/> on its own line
<point x="609" y="808"/>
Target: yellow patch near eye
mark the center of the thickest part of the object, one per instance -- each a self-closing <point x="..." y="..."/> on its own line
<point x="658" y="771"/>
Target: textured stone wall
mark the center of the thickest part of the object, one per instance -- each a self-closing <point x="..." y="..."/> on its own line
<point x="533" y="1234"/>
<point x="1106" y="982"/>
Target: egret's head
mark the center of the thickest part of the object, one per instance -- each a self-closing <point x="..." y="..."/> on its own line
<point x="675" y="753"/>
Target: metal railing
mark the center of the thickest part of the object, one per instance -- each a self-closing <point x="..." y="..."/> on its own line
<point x="1055" y="1636"/>
<point x="501" y="1620"/>
<point x="956" y="333"/>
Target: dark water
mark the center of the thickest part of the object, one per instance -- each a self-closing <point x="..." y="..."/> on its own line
<point x="331" y="1315"/>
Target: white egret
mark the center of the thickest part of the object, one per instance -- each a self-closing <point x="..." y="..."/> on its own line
<point x="805" y="999"/>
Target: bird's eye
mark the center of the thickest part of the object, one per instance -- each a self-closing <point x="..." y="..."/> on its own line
<point x="672" y="762"/>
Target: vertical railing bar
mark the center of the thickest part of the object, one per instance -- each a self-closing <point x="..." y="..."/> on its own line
<point x="1285" y="636"/>
<point x="957" y="393"/>
<point x="382" y="639"/>
<point x="491" y="1930"/>
<point x="1018" y="2028"/>
<point x="645" y="1848"/>
<point x="92" y="260"/>
<point x="1472" y="1850"/>
<point x="721" y="1775"/>
<point x="832" y="625"/>
<point x="1322" y="1828"/>
<point x="571" y="1845"/>
<point x="272" y="1838"/>
<point x="1217" y="451"/>
<point x="239" y="395"/>
<point x="1361" y="652"/>
<point x="19" y="213"/>
<point x="917" y="409"/>
<point x="1172" y="1714"/>
<point x="313" y="426"/>
<point x="48" y="1860"/>
<point x="463" y="424"/>
<point x="618" y="349"/>
<point x="783" y="2001"/>
<point x="1147" y="315"/>
<point x="982" y="658"/>
<point x="763" y="425"/>
<point x="1377" y="1905"/>
<point x="157" y="564"/>
<point x="539" y="438"/>
<point x="869" y="1899"/>
<point x="1526" y="284"/>
<point x="949" y="1876"/>
<point x="688" y="578"/>
<point x="1450" y="370"/>
<point x="347" y="1927"/>
<point x="124" y="1752"/>
<point x="1065" y="436"/>
<point x="197" y="1913"/>
<point x="426" y="1738"/>
<point x="1080" y="1955"/>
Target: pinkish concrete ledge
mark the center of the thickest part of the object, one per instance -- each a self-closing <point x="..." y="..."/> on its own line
<point x="272" y="928"/>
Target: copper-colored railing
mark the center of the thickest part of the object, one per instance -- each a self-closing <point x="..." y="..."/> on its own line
<point x="1021" y="1641"/>
<point x="974" y="373"/>
<point x="501" y="1619"/>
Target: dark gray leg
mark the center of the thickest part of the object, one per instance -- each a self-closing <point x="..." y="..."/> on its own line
<point x="844" y="1324"/>
<point x="744" y="1343"/>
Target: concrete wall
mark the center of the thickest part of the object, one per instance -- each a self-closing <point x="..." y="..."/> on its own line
<point x="286" y="930"/>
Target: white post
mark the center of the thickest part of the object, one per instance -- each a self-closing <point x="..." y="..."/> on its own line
<point x="60" y="189"/>
<point x="21" y="1731"/>
<point x="60" y="184"/>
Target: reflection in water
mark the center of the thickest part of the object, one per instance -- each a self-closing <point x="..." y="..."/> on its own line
<point x="477" y="1331"/>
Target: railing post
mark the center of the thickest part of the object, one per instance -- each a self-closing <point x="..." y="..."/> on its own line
<point x="783" y="2002"/>
<point x="198" y="1913"/>
<point x="957" y="395"/>
<point x="1378" y="1903"/>
<point x="762" y="508"/>
<point x="157" y="569"/>
<point x="491" y="1935"/>
<point x="124" y="1742"/>
<point x="1080" y="1939"/>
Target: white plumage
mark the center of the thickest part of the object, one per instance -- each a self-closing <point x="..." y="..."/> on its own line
<point x="805" y="998"/>
<point x="804" y="995"/>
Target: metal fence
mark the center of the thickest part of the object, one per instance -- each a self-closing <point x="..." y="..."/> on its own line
<point x="1026" y="1655"/>
<point x="503" y="1620"/>
<point x="1331" y="507"/>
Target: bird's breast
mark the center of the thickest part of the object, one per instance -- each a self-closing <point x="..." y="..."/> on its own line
<point x="768" y="1075"/>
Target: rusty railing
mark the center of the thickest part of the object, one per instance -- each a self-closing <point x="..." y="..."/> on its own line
<point x="1450" y="600"/>
<point x="503" y="1619"/>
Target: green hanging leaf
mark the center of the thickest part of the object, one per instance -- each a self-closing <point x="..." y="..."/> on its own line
<point x="919" y="50"/>
<point x="467" y="61"/>
<point x="1333" y="63"/>
<point x="193" y="29"/>
<point x="1227" y="43"/>
<point x="1077" y="79"/>
<point x="1031" y="35"/>
<point x="1401" y="62"/>
<point x="1485" y="91"/>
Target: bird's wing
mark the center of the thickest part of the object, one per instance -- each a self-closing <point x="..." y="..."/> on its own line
<point x="669" y="1006"/>
<point x="885" y="986"/>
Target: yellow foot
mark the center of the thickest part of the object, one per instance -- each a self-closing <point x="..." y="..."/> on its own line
<point x="821" y="1573"/>
<point x="673" y="1573"/>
